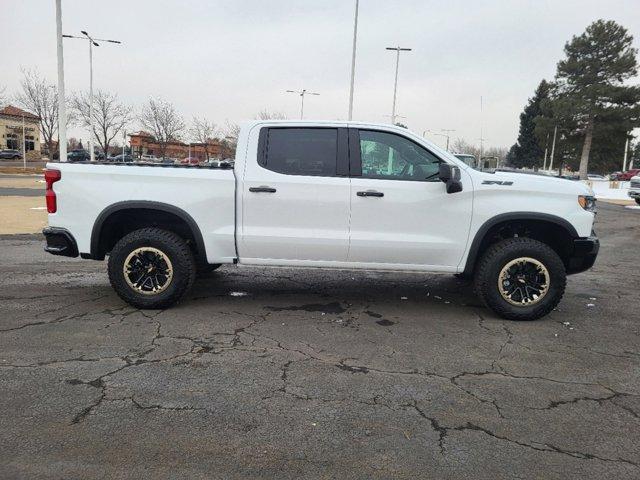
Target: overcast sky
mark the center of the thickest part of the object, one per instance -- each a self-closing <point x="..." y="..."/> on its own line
<point x="229" y="59"/>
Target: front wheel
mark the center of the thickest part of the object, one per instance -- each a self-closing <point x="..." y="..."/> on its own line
<point x="638" y="200"/>
<point x="151" y="268"/>
<point x="520" y="278"/>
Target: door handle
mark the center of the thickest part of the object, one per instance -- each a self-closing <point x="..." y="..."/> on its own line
<point x="262" y="189"/>
<point x="370" y="193"/>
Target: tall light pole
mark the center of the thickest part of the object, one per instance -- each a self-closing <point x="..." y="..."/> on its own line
<point x="624" y="160"/>
<point x="446" y="134"/>
<point x="24" y="146"/>
<point x="395" y="84"/>
<point x="62" y="105"/>
<point x="353" y="62"/>
<point x="482" y="139"/>
<point x="553" y="146"/>
<point x="302" y="93"/>
<point x="93" y="42"/>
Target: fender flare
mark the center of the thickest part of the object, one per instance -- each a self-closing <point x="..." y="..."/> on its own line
<point x="511" y="216"/>
<point x="147" y="205"/>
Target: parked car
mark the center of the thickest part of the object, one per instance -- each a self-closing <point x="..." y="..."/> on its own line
<point x="634" y="189"/>
<point x="190" y="161"/>
<point x="596" y="177"/>
<point x="149" y="159"/>
<point x="121" y="158"/>
<point x="297" y="196"/>
<point x="10" y="154"/>
<point x="626" y="176"/>
<point x="78" y="156"/>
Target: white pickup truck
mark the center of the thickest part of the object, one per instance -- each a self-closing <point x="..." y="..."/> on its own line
<point x="331" y="195"/>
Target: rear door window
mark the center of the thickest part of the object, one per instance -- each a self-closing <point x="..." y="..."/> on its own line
<point x="301" y="151"/>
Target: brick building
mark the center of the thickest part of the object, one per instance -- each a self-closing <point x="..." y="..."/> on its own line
<point x="143" y="143"/>
<point x="12" y="128"/>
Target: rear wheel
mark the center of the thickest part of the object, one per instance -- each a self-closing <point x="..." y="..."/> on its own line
<point x="520" y="278"/>
<point x="638" y="200"/>
<point x="151" y="268"/>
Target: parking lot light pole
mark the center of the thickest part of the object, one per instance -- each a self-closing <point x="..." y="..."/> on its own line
<point x="395" y="84"/>
<point x="92" y="42"/>
<point x="62" y="104"/>
<point x="24" y="146"/>
<point x="353" y="62"/>
<point x="446" y="135"/>
<point x="553" y="147"/>
<point x="302" y="93"/>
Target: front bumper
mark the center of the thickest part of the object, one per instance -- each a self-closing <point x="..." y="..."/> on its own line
<point x="60" y="242"/>
<point x="585" y="251"/>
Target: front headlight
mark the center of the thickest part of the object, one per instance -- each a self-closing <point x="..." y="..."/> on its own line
<point x="587" y="202"/>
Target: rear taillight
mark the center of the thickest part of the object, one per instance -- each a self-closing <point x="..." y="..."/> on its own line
<point x="50" y="177"/>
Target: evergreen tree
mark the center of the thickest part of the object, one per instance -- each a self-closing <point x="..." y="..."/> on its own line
<point x="590" y="100"/>
<point x="527" y="152"/>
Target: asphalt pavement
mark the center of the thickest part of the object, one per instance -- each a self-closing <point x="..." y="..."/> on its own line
<point x="284" y="373"/>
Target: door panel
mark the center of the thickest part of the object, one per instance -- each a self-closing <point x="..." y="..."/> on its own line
<point x="398" y="217"/>
<point x="302" y="215"/>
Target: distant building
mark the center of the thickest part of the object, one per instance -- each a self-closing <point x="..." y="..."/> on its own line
<point x="11" y="131"/>
<point x="143" y="143"/>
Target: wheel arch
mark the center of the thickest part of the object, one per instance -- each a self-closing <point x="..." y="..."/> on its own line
<point x="182" y="223"/>
<point x="554" y="230"/>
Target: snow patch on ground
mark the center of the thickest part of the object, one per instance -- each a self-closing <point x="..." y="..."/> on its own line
<point x="603" y="190"/>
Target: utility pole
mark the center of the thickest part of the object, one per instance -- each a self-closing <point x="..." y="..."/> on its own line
<point x="353" y="61"/>
<point x="62" y="105"/>
<point x="302" y="93"/>
<point x="92" y="42"/>
<point x="553" y="146"/>
<point x="395" y="84"/>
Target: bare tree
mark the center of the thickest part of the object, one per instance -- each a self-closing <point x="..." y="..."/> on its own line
<point x="202" y="131"/>
<point x="161" y="120"/>
<point x="109" y="116"/>
<point x="3" y="99"/>
<point x="265" y="114"/>
<point x="40" y="98"/>
<point x="460" y="145"/>
<point x="229" y="140"/>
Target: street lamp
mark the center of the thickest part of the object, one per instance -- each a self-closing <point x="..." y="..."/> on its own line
<point x="62" y="108"/>
<point x="302" y="93"/>
<point x="395" y="85"/>
<point x="93" y="42"/>
<point x="353" y="62"/>
<point x="445" y="134"/>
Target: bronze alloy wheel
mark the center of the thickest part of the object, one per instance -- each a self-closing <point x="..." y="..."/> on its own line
<point x="523" y="281"/>
<point x="148" y="270"/>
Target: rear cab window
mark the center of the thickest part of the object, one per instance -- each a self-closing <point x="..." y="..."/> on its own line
<point x="300" y="150"/>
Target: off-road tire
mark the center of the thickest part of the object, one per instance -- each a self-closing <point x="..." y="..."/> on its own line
<point x="501" y="253"/>
<point x="174" y="247"/>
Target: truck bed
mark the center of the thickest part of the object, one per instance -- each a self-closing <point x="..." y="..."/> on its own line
<point x="206" y="194"/>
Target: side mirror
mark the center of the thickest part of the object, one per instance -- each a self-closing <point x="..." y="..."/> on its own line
<point x="450" y="175"/>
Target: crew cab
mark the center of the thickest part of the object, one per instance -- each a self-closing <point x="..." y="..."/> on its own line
<point x="340" y="195"/>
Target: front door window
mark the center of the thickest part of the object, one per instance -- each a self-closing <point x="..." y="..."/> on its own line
<point x="392" y="157"/>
